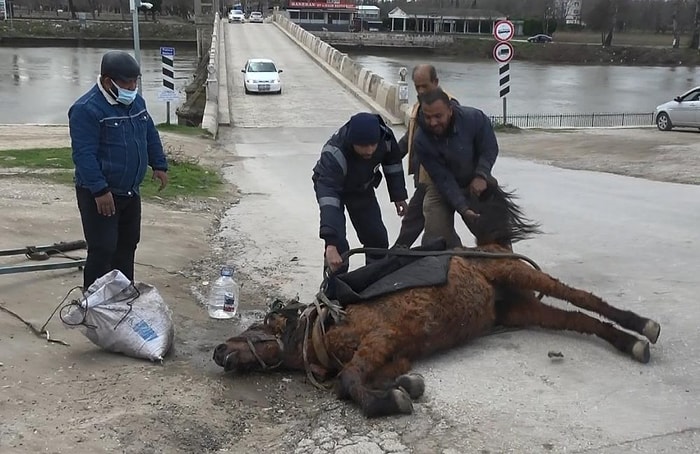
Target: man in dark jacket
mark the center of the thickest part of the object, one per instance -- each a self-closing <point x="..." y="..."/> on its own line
<point x="424" y="78"/>
<point x="114" y="142"/>
<point x="457" y="147"/>
<point x="345" y="177"/>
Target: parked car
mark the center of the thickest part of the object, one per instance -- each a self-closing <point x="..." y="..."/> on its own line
<point x="256" y="17"/>
<point x="261" y="75"/>
<point x="683" y="111"/>
<point x="236" y="15"/>
<point x="541" y="38"/>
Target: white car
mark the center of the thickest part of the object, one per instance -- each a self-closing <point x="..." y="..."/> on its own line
<point x="255" y="17"/>
<point x="236" y="15"/>
<point x="683" y="111"/>
<point x="261" y="75"/>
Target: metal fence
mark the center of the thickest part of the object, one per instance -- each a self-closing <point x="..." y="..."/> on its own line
<point x="592" y="120"/>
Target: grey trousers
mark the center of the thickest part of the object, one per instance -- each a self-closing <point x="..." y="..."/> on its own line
<point x="439" y="218"/>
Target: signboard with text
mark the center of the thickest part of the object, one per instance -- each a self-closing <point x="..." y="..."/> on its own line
<point x="322" y="5"/>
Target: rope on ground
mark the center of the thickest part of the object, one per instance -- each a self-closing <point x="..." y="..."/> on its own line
<point x="41" y="332"/>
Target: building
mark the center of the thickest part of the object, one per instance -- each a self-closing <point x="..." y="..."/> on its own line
<point x="368" y="17"/>
<point x="569" y="11"/>
<point x="423" y="19"/>
<point x="330" y="15"/>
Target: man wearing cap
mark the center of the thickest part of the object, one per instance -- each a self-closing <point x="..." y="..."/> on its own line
<point x="345" y="177"/>
<point x="114" y="141"/>
<point x="424" y="78"/>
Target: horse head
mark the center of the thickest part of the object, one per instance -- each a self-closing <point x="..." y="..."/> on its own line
<point x="501" y="221"/>
<point x="265" y="345"/>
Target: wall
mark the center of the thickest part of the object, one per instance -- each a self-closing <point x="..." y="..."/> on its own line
<point x="382" y="96"/>
<point x="210" y="120"/>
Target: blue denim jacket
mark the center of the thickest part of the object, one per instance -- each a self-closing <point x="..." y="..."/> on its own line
<point x="113" y="144"/>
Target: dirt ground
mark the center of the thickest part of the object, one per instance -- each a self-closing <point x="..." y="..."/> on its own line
<point x="59" y="399"/>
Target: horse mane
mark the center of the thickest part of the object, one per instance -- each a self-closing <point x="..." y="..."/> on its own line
<point x="501" y="221"/>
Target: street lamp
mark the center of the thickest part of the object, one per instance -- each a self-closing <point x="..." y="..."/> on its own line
<point x="134" y="6"/>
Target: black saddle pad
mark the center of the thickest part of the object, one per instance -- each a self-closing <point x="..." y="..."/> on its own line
<point x="392" y="274"/>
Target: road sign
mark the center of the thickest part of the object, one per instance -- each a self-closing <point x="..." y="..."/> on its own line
<point x="504" y="79"/>
<point x="503" y="52"/>
<point x="503" y="30"/>
<point x="168" y="95"/>
<point x="169" y="51"/>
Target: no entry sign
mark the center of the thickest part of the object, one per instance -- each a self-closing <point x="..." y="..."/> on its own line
<point x="503" y="30"/>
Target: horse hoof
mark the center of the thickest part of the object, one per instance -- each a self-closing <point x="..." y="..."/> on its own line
<point x="651" y="331"/>
<point x="413" y="384"/>
<point x="640" y="351"/>
<point x="402" y="400"/>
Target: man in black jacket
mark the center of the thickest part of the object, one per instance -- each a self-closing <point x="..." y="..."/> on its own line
<point x="424" y="79"/>
<point x="346" y="175"/>
<point x="457" y="147"/>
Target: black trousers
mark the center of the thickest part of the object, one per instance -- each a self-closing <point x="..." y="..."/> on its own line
<point x="111" y="240"/>
<point x="413" y="221"/>
<point x="366" y="218"/>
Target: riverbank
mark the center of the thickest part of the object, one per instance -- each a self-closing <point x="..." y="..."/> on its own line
<point x="99" y="33"/>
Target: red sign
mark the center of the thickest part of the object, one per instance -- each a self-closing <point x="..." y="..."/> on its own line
<point x="503" y="52"/>
<point x="323" y="5"/>
<point x="503" y="30"/>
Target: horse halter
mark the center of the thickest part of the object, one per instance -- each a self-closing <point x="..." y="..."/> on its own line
<point x="263" y="338"/>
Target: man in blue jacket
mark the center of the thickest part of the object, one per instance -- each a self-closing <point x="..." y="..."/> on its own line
<point x="457" y="147"/>
<point x="114" y="141"/>
<point x="345" y="177"/>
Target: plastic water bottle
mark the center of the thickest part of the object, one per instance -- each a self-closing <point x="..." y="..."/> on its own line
<point x="223" y="297"/>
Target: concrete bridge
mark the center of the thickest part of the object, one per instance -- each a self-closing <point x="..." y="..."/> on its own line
<point x="313" y="71"/>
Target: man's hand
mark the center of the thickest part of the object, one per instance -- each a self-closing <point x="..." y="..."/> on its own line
<point x="401" y="207"/>
<point x="105" y="204"/>
<point x="469" y="216"/>
<point x="162" y="177"/>
<point x="477" y="186"/>
<point x="333" y="258"/>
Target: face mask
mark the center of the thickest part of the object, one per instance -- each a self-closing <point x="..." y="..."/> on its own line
<point x="124" y="96"/>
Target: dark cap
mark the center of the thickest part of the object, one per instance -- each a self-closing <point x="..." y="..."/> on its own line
<point x="119" y="65"/>
<point x="363" y="129"/>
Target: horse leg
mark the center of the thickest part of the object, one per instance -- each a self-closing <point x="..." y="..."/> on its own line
<point x="522" y="276"/>
<point x="374" y="352"/>
<point x="533" y="312"/>
<point x="396" y="375"/>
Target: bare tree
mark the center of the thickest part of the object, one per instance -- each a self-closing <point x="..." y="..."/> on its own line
<point x="612" y="23"/>
<point x="695" y="40"/>
<point x="674" y="17"/>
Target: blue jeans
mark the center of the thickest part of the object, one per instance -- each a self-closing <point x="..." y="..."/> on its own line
<point x="111" y="240"/>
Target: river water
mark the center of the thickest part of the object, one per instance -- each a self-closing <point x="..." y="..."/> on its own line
<point x="38" y="85"/>
<point x="545" y="88"/>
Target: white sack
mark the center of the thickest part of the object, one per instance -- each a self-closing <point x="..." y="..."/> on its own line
<point x="123" y="318"/>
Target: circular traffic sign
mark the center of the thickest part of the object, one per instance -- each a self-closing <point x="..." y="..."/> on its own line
<point x="503" y="52"/>
<point x="503" y="30"/>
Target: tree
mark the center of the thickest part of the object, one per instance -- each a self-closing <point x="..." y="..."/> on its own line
<point x="695" y="40"/>
<point x="676" y="31"/>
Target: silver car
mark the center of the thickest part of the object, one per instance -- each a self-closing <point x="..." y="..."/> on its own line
<point x="683" y="111"/>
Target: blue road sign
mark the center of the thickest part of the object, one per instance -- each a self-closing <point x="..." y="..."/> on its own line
<point x="167" y="51"/>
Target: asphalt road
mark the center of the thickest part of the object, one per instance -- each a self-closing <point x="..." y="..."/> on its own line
<point x="632" y="241"/>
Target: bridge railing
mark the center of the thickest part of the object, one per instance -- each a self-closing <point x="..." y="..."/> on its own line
<point x="210" y="120"/>
<point x="572" y="120"/>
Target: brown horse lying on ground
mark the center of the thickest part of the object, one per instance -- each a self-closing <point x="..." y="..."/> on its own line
<point x="370" y="348"/>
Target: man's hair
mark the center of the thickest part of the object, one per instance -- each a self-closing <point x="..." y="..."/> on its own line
<point x="431" y="96"/>
<point x="431" y="69"/>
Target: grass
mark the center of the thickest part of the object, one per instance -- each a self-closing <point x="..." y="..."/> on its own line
<point x="185" y="130"/>
<point x="186" y="178"/>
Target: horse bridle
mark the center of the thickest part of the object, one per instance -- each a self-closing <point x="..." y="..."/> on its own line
<point x="263" y="338"/>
